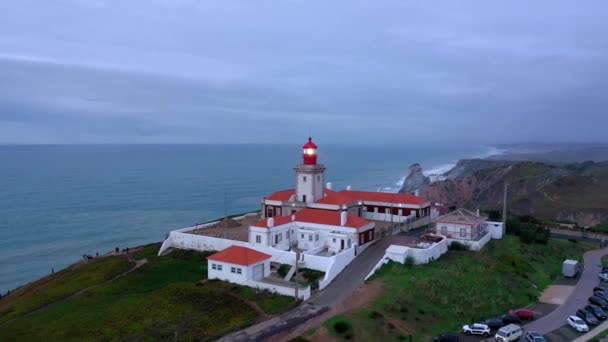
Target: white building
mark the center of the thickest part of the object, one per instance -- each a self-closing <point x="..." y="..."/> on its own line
<point x="310" y="193"/>
<point x="308" y="229"/>
<point x="467" y="227"/>
<point x="238" y="265"/>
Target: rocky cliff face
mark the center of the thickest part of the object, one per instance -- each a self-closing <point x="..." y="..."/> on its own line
<point x="576" y="192"/>
<point x="414" y="179"/>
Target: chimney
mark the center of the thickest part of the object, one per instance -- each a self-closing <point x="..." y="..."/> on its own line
<point x="270" y="222"/>
<point x="477" y="213"/>
<point x="416" y="192"/>
<point x="343" y="218"/>
<point x="328" y="185"/>
<point x="293" y="217"/>
<point x="348" y="188"/>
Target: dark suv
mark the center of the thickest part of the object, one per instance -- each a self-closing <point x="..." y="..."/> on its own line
<point x="599" y="301"/>
<point x="587" y="316"/>
<point x="597" y="312"/>
<point x="510" y="319"/>
<point x="447" y="337"/>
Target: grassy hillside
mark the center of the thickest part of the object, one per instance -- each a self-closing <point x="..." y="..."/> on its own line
<point x="458" y="287"/>
<point x="158" y="301"/>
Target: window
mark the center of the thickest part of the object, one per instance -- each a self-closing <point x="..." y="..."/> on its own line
<point x="316" y="237"/>
<point x="334" y="240"/>
<point x="233" y="269"/>
<point x="269" y="212"/>
<point x="219" y="267"/>
<point x="302" y="237"/>
<point x="304" y="179"/>
<point x="303" y="198"/>
<point x="371" y="234"/>
<point x="463" y="232"/>
<point x="276" y="239"/>
<point x="258" y="239"/>
<point x="238" y="270"/>
<point x="287" y="234"/>
<point x="280" y="236"/>
<point x="214" y="266"/>
<point x="444" y="230"/>
<point x="309" y="237"/>
<point x="278" y="211"/>
<point x="365" y="208"/>
<point x="318" y="178"/>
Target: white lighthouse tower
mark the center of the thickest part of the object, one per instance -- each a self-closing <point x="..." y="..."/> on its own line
<point x="309" y="175"/>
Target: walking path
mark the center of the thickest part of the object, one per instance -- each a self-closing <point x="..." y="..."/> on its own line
<point x="578" y="299"/>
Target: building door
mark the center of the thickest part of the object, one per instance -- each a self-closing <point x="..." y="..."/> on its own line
<point x="341" y="244"/>
<point x="258" y="271"/>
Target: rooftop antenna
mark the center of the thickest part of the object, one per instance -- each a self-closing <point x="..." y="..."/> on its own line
<point x="504" y="209"/>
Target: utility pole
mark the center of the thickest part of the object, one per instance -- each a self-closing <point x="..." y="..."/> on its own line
<point x="504" y="209"/>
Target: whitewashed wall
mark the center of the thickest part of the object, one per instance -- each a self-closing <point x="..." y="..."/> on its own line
<point x="473" y="245"/>
<point x="495" y="229"/>
<point x="315" y="262"/>
<point x="338" y="263"/>
<point x="303" y="294"/>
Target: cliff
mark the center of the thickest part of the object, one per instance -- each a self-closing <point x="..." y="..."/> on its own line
<point x="576" y="192"/>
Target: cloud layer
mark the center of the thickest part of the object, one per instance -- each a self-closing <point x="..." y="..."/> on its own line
<point x="271" y="71"/>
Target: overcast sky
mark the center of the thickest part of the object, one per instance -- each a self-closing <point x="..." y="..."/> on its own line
<point x="155" y="71"/>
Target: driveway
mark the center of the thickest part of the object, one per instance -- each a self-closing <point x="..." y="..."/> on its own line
<point x="578" y="299"/>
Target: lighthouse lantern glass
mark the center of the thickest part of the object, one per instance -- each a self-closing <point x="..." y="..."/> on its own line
<point x="309" y="151"/>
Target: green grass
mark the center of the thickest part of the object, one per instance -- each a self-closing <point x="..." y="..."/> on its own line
<point x="605" y="260"/>
<point x="155" y="302"/>
<point x="460" y="286"/>
<point x="265" y="299"/>
<point x="94" y="272"/>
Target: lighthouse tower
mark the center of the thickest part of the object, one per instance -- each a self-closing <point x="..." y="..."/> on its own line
<point x="309" y="175"/>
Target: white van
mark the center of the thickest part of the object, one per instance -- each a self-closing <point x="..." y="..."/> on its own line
<point x="509" y="333"/>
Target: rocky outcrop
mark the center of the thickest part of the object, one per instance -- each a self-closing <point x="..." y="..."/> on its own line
<point x="467" y="167"/>
<point x="414" y="179"/>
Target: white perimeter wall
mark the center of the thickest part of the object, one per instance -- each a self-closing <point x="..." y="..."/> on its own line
<point x="474" y="245"/>
<point x="303" y="293"/>
<point x="495" y="229"/>
<point x="337" y="264"/>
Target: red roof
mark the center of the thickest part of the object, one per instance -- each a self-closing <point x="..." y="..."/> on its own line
<point x="239" y="255"/>
<point x="349" y="196"/>
<point x="320" y="216"/>
<point x="283" y="195"/>
<point x="309" y="144"/>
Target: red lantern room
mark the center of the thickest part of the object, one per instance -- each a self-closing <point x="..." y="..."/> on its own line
<point x="310" y="152"/>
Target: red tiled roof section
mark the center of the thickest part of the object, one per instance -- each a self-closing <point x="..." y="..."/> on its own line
<point x="239" y="255"/>
<point x="329" y="217"/>
<point x="283" y="195"/>
<point x="349" y="196"/>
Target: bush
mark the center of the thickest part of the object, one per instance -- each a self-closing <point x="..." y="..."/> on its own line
<point x="284" y="269"/>
<point x="457" y="246"/>
<point x="573" y="240"/>
<point x="341" y="327"/>
<point x="493" y="214"/>
<point x="409" y="261"/>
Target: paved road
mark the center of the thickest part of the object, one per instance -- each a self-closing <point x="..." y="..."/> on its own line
<point x="578" y="299"/>
<point x="353" y="275"/>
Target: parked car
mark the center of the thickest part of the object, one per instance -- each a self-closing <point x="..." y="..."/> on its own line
<point x="509" y="333"/>
<point x="510" y="319"/>
<point x="600" y="287"/>
<point x="476" y="329"/>
<point x="446" y="337"/>
<point x="494" y="323"/>
<point x="597" y="312"/>
<point x="522" y="313"/>
<point x="599" y="301"/>
<point x="605" y="269"/>
<point x="533" y="336"/>
<point x="577" y="323"/>
<point x="601" y="294"/>
<point x="587" y="316"/>
<point x="603" y="276"/>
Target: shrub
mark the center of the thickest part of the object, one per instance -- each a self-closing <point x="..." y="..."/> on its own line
<point x="348" y="336"/>
<point x="573" y="240"/>
<point x="409" y="261"/>
<point x="284" y="269"/>
<point x="341" y="327"/>
<point x="457" y="246"/>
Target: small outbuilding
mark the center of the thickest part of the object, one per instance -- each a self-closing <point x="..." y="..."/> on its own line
<point x="237" y="264"/>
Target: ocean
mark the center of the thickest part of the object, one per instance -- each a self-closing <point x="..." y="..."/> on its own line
<point x="58" y="202"/>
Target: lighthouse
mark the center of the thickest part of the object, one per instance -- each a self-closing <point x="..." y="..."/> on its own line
<point x="309" y="175"/>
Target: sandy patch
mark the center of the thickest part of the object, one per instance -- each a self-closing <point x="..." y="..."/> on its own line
<point x="556" y="294"/>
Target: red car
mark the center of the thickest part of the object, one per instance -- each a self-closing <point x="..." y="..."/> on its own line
<point x="522" y="313"/>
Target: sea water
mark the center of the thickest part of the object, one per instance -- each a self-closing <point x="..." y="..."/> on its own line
<point x="60" y="202"/>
